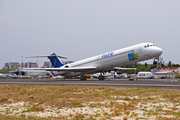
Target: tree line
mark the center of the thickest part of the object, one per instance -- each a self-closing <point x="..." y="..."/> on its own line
<point x="147" y="67"/>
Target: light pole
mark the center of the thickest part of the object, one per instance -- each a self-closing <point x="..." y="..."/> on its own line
<point x="22" y="61"/>
<point x="37" y="62"/>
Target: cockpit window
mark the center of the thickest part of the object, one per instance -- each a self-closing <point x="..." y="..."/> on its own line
<point x="149" y="45"/>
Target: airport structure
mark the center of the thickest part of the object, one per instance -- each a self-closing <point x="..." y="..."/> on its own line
<point x="11" y="65"/>
<point x="47" y="65"/>
<point x="16" y="65"/>
<point x="167" y="72"/>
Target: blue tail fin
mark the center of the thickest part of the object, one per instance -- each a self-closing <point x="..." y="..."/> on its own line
<point x="55" y="61"/>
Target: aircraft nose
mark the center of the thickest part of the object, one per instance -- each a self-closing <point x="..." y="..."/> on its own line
<point x="159" y="51"/>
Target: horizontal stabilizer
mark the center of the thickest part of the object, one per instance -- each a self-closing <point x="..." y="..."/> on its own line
<point x="46" y="56"/>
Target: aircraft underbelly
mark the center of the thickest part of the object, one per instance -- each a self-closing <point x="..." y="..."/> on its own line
<point x="58" y="72"/>
<point x="66" y="73"/>
<point x="110" y="62"/>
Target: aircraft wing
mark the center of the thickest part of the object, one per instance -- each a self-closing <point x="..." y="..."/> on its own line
<point x="119" y="68"/>
<point x="73" y="69"/>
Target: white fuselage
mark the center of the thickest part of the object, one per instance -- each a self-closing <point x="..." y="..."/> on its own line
<point x="109" y="60"/>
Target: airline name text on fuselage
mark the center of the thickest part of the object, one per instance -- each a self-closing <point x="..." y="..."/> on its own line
<point x="107" y="55"/>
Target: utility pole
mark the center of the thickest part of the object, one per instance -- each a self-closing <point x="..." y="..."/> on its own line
<point x="22" y="61"/>
<point x="37" y="62"/>
<point x="158" y="62"/>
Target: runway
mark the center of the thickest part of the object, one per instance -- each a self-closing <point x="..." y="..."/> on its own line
<point x="120" y="83"/>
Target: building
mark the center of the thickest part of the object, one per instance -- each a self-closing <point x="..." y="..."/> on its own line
<point x="15" y="65"/>
<point x="11" y="65"/>
<point x="167" y="72"/>
<point x="47" y="65"/>
<point x="24" y="65"/>
<point x="167" y="69"/>
<point x="32" y="65"/>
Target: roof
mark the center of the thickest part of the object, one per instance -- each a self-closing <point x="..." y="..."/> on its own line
<point x="165" y="72"/>
<point x="167" y="68"/>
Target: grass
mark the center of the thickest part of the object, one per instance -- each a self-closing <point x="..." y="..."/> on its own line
<point x="102" y="102"/>
<point x="22" y="117"/>
<point x="5" y="71"/>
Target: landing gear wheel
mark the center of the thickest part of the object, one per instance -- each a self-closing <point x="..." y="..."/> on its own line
<point x="83" y="78"/>
<point x="101" y="77"/>
<point x="155" y="62"/>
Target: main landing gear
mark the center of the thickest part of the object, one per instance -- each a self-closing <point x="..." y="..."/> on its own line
<point x="83" y="78"/>
<point x="101" y="77"/>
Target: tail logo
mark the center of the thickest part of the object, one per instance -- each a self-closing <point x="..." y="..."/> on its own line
<point x="54" y="62"/>
<point x="133" y="56"/>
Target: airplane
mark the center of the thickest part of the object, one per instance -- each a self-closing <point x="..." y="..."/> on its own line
<point x="2" y="76"/>
<point x="103" y="62"/>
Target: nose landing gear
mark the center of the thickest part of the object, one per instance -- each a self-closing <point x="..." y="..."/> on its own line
<point x="155" y="62"/>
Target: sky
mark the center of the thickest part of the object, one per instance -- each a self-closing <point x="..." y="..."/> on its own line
<point x="79" y="29"/>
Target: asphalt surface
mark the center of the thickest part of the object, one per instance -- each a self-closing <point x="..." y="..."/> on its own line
<point x="121" y="83"/>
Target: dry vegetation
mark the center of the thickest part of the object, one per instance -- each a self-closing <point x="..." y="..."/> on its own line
<point x="87" y="102"/>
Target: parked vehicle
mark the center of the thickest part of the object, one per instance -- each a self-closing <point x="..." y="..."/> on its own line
<point x="145" y="75"/>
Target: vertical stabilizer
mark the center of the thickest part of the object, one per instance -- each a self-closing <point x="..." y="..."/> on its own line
<point x="55" y="61"/>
